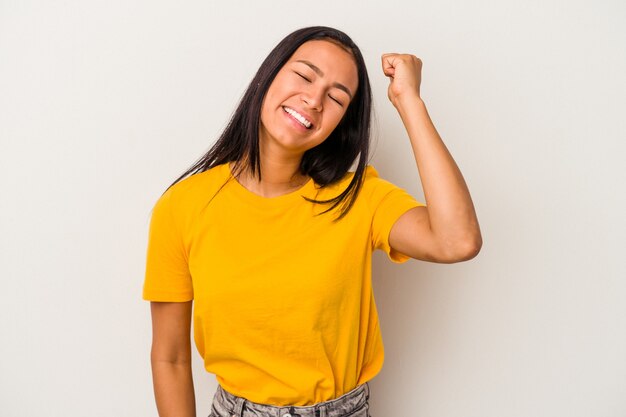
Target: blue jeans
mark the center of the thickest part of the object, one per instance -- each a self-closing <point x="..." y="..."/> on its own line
<point x="352" y="404"/>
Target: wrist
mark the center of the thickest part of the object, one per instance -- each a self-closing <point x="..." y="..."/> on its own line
<point x="408" y="101"/>
<point x="409" y="104"/>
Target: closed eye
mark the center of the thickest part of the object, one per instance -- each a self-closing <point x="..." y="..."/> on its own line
<point x="302" y="76"/>
<point x="335" y="100"/>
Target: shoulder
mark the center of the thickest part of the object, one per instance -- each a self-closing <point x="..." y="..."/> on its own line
<point x="376" y="189"/>
<point x="193" y="192"/>
<point x="370" y="176"/>
<point x="372" y="190"/>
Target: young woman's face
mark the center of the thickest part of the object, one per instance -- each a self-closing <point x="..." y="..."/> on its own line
<point x="308" y="97"/>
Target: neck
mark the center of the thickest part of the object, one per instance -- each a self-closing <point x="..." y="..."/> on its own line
<point x="278" y="176"/>
<point x="280" y="169"/>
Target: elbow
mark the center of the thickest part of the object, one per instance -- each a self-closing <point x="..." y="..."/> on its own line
<point x="471" y="248"/>
<point x="178" y="361"/>
<point x="463" y="249"/>
<point x="174" y="355"/>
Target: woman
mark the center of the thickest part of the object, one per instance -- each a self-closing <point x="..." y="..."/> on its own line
<point x="271" y="237"/>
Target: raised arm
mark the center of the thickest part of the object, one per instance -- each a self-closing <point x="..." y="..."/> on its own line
<point x="446" y="230"/>
<point x="171" y="359"/>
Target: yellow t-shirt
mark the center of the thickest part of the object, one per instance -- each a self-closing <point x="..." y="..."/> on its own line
<point x="284" y="312"/>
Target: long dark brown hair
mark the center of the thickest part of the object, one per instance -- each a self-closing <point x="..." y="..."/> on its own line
<point x="326" y="163"/>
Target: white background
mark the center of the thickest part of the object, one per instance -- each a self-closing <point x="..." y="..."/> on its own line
<point x="104" y="103"/>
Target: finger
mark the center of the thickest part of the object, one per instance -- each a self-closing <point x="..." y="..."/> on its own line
<point x="387" y="60"/>
<point x="388" y="67"/>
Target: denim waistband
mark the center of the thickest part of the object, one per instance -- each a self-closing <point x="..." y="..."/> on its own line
<point x="226" y="404"/>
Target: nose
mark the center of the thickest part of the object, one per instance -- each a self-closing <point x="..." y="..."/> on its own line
<point x="314" y="98"/>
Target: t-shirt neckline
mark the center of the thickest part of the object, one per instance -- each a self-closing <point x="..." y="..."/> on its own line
<point x="259" y="199"/>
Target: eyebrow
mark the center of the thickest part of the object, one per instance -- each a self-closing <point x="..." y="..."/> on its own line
<point x="319" y="72"/>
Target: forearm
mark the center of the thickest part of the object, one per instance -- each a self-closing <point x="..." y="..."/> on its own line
<point x="450" y="208"/>
<point x="173" y="389"/>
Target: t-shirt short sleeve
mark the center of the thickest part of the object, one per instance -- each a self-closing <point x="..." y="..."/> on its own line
<point x="388" y="202"/>
<point x="167" y="271"/>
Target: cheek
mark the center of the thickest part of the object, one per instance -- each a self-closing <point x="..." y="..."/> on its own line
<point x="264" y="112"/>
<point x="334" y="120"/>
<point x="266" y="117"/>
<point x="273" y="99"/>
<point x="278" y="86"/>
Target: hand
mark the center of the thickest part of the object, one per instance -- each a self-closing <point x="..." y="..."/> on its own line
<point x="405" y="76"/>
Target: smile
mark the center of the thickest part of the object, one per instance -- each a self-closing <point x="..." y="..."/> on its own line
<point x="300" y="118"/>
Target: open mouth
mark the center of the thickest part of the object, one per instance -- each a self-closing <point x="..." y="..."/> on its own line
<point x="300" y="118"/>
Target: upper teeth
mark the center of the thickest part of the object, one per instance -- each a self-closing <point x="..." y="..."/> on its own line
<point x="298" y="117"/>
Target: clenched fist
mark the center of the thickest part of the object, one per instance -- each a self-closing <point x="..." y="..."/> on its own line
<point x="405" y="75"/>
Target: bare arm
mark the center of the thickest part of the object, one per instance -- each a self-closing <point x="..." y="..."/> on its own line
<point x="447" y="229"/>
<point x="171" y="359"/>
